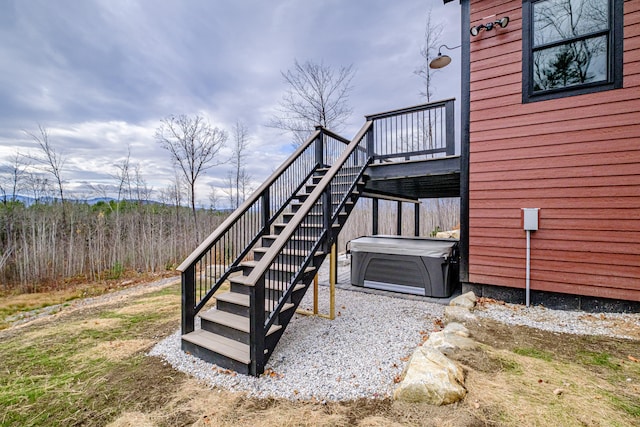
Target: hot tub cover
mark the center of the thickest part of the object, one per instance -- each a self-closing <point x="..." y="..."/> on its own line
<point x="400" y="245"/>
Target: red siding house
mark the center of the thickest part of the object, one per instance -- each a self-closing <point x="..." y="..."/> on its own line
<point x="551" y="120"/>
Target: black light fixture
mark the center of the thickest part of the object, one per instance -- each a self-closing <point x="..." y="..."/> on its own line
<point x="502" y="23"/>
<point x="441" y="60"/>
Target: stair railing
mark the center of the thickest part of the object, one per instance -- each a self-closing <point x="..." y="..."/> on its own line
<point x="414" y="133"/>
<point x="220" y="254"/>
<point x="287" y="260"/>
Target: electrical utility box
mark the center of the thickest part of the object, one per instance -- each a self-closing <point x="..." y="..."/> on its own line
<point x="530" y="218"/>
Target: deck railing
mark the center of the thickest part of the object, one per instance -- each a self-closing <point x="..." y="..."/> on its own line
<point x="414" y="133"/>
<point x="288" y="259"/>
<point x="220" y="255"/>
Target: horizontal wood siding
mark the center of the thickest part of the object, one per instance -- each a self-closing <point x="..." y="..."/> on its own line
<point x="575" y="158"/>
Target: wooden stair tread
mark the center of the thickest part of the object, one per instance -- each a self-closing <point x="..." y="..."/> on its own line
<point x="269" y="284"/>
<point x="289" y="252"/>
<point x="244" y="300"/>
<point x="219" y="344"/>
<point x="231" y="320"/>
<point x="289" y="268"/>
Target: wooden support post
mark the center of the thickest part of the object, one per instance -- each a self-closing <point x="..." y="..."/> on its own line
<point x="315" y="294"/>
<point x="333" y="279"/>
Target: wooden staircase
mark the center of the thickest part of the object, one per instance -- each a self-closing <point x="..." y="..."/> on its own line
<point x="276" y="266"/>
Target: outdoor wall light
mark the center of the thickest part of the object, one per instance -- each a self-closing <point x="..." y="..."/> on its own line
<point x="442" y="60"/>
<point x="502" y="23"/>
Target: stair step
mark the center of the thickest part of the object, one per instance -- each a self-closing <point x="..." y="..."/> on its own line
<point x="289" y="252"/>
<point x="218" y="344"/>
<point x="244" y="300"/>
<point x="269" y="284"/>
<point x="303" y="225"/>
<point x="233" y="321"/>
<point x="290" y="268"/>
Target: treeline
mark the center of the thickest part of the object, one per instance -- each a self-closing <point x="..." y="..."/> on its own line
<point x="42" y="245"/>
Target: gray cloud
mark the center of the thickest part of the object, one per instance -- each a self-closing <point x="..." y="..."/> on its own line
<point x="99" y="75"/>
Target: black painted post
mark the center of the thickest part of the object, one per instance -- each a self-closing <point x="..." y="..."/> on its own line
<point x="319" y="146"/>
<point x="188" y="299"/>
<point x="399" y="220"/>
<point x="370" y="146"/>
<point x="374" y="214"/>
<point x="326" y="216"/>
<point x="256" y="328"/>
<point x="416" y="219"/>
<point x="266" y="212"/>
<point x="450" y="128"/>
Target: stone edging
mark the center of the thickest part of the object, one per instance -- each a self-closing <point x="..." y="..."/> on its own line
<point x="430" y="376"/>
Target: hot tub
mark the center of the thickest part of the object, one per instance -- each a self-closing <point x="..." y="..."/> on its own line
<point x="413" y="265"/>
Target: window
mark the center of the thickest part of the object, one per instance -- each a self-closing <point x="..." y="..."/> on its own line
<point x="571" y="47"/>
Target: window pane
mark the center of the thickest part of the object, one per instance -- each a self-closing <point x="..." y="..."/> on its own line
<point x="570" y="64"/>
<point x="555" y="20"/>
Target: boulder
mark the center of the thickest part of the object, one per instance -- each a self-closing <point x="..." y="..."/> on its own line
<point x="456" y="328"/>
<point x="431" y="377"/>
<point x="454" y="313"/>
<point x="448" y="343"/>
<point x="467" y="300"/>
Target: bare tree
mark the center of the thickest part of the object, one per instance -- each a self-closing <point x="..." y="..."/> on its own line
<point x="429" y="50"/>
<point x="240" y="146"/>
<point x="123" y="176"/>
<point x="13" y="176"/>
<point x="38" y="185"/>
<point x="143" y="191"/>
<point x="317" y="94"/>
<point x="214" y="199"/>
<point x="52" y="161"/>
<point x="194" y="146"/>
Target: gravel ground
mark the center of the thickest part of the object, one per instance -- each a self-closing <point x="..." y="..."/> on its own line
<point x="359" y="354"/>
<point x="354" y="356"/>
<point x="620" y="325"/>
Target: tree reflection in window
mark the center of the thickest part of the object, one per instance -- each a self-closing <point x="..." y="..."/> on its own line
<point x="570" y="43"/>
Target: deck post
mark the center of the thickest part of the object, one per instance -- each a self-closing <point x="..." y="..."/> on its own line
<point x="265" y="212"/>
<point x="399" y="219"/>
<point x="315" y="294"/>
<point x="188" y="299"/>
<point x="319" y="146"/>
<point x="374" y="214"/>
<point x="333" y="278"/>
<point x="370" y="148"/>
<point x="326" y="216"/>
<point x="450" y="127"/>
<point x="256" y="328"/>
<point x="416" y="219"/>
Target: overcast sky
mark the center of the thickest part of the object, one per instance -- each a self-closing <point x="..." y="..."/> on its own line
<point x="100" y="75"/>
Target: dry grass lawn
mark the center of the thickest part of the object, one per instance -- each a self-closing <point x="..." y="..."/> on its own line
<point x="87" y="366"/>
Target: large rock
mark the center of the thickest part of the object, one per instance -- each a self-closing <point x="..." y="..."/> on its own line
<point x="467" y="300"/>
<point x="454" y="313"/>
<point x="456" y="328"/>
<point x="431" y="377"/>
<point x="448" y="343"/>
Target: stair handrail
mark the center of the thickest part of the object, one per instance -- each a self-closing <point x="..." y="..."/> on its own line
<point x="244" y="207"/>
<point x="258" y="273"/>
<point x="259" y="204"/>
